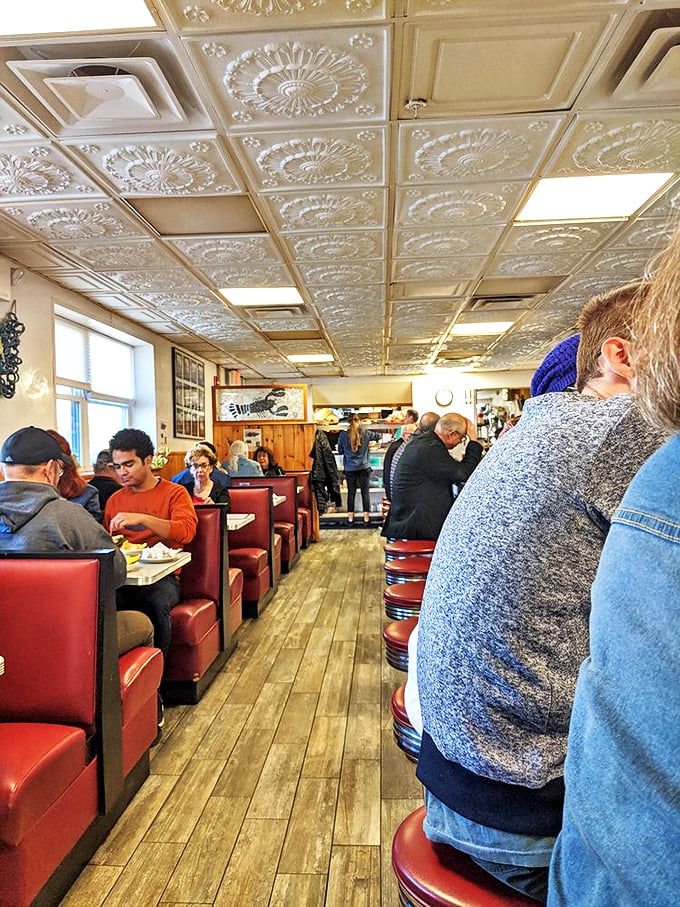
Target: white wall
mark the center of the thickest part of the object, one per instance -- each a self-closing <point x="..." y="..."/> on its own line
<point x="34" y="400"/>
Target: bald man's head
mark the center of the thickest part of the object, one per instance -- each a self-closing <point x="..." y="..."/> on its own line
<point x="451" y="428"/>
<point x="428" y="421"/>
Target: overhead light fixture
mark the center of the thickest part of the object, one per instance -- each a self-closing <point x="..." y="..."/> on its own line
<point x="476" y="328"/>
<point x="45" y="17"/>
<point x="261" y="296"/>
<point x="611" y="196"/>
<point x="310" y="357"/>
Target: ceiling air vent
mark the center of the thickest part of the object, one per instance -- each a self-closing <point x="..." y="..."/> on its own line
<point x="491" y="303"/>
<point x="276" y="313"/>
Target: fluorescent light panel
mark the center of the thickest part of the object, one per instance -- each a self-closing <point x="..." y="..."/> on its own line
<point x="472" y="328"/>
<point x="611" y="196"/>
<point x="310" y="357"/>
<point x="47" y="17"/>
<point x="261" y="296"/>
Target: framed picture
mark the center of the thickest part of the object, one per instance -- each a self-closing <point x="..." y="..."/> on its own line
<point x="188" y="395"/>
<point x="261" y="403"/>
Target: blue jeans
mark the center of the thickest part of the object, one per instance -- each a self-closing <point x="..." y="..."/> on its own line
<point x="156" y="601"/>
<point x="522" y="862"/>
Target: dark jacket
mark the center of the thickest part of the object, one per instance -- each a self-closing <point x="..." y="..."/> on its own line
<point x="324" y="474"/>
<point x="106" y="486"/>
<point x="421" y="490"/>
<point x="273" y="472"/>
<point x="221" y="484"/>
<point x="387" y="466"/>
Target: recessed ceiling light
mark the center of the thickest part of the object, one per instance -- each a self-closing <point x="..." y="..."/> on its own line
<point x="311" y="357"/>
<point x="261" y="296"/>
<point x="471" y="328"/>
<point x="45" y="17"/>
<point x="611" y="196"/>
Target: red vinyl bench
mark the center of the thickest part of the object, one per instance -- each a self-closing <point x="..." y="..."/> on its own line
<point x="251" y="548"/>
<point x="285" y="514"/>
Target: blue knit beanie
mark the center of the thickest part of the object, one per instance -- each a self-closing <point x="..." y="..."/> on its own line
<point x="557" y="372"/>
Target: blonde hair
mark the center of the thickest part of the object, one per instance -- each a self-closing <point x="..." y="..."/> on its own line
<point x="199" y="450"/>
<point x="354" y="432"/>
<point x="656" y="333"/>
<point x="603" y="316"/>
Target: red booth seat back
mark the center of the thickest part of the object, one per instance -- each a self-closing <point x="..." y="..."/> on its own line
<point x="304" y="497"/>
<point x="259" y="533"/>
<point x="203" y="576"/>
<point x="284" y="485"/>
<point x="51" y="655"/>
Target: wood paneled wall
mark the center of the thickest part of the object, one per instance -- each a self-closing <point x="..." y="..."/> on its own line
<point x="290" y="441"/>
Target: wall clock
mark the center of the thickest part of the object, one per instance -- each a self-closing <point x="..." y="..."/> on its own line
<point x="443" y="397"/>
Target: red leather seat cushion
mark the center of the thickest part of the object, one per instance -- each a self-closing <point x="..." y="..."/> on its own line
<point x="235" y="584"/>
<point x="38" y="762"/>
<point x="140" y="672"/>
<point x="250" y="560"/>
<point x="405" y="547"/>
<point x="397" y="633"/>
<point x="439" y="876"/>
<point x="397" y="705"/>
<point x="410" y="593"/>
<point x="408" y="566"/>
<point x="191" y="619"/>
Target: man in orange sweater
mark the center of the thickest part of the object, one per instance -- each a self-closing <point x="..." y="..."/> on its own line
<point x="148" y="509"/>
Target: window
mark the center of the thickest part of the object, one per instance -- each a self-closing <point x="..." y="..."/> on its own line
<point x="95" y="387"/>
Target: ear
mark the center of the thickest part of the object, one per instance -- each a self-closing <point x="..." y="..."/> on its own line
<point x="147" y="460"/>
<point x="616" y="354"/>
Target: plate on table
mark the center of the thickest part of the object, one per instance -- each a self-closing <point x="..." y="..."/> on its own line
<point x="160" y="560"/>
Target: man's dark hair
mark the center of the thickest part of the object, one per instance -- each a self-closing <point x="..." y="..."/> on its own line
<point x="103" y="460"/>
<point x="132" y="439"/>
<point x="413" y="414"/>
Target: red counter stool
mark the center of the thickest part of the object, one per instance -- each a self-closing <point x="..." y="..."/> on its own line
<point x="405" y="735"/>
<point x="396" y="637"/>
<point x="398" y="548"/>
<point x="435" y="875"/>
<point x="403" y="600"/>
<point x="407" y="568"/>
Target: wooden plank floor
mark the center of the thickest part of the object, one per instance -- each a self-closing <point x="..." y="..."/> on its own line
<point x="283" y="786"/>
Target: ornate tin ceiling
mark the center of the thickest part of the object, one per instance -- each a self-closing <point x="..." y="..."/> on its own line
<point x="375" y="154"/>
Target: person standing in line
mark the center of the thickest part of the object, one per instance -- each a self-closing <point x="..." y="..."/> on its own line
<point x="621" y="828"/>
<point x="353" y="445"/>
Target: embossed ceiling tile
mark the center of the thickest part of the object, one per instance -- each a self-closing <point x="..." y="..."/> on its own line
<point x="222" y="251"/>
<point x="615" y="142"/>
<point x="75" y="220"/>
<point x="624" y="264"/>
<point x="437" y="269"/>
<point x="290" y="324"/>
<point x="468" y="150"/>
<point x="369" y="298"/>
<point x="402" y="352"/>
<point x="123" y="256"/>
<point x="163" y="165"/>
<point x="167" y="279"/>
<point x="38" y="170"/>
<point x="303" y="347"/>
<point x="250" y="275"/>
<point x="337" y="275"/>
<point x="354" y="246"/>
<point x="487" y="203"/>
<point x="13" y="126"/>
<point x="667" y="205"/>
<point x="644" y="234"/>
<point x="204" y="16"/>
<point x="80" y="280"/>
<point x="533" y="265"/>
<point x="354" y="209"/>
<point x="275" y="79"/>
<point x="196" y="301"/>
<point x="325" y="157"/>
<point x="436" y="243"/>
<point x="555" y="239"/>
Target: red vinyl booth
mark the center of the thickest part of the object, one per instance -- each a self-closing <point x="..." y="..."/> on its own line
<point x="201" y="638"/>
<point x="306" y="504"/>
<point x="251" y="548"/>
<point x="63" y="779"/>
<point x="285" y="515"/>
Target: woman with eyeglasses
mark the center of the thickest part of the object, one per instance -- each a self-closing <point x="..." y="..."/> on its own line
<point x="198" y="481"/>
<point x="72" y="485"/>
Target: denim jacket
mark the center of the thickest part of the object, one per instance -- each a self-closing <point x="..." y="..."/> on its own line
<point x="621" y="835"/>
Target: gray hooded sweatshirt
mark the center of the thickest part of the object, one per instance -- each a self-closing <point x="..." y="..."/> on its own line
<point x="34" y="517"/>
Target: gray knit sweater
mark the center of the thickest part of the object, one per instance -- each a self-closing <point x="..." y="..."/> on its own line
<point x="504" y="621"/>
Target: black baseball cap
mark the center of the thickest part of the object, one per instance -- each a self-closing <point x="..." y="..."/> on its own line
<point x="30" y="446"/>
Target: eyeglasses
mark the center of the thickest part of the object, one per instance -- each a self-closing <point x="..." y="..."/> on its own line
<point x="203" y="466"/>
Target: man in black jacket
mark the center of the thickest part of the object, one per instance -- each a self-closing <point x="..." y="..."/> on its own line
<point x="422" y="492"/>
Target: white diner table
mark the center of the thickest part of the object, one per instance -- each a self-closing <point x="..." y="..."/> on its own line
<point x="145" y="573"/>
<point x="239" y="520"/>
